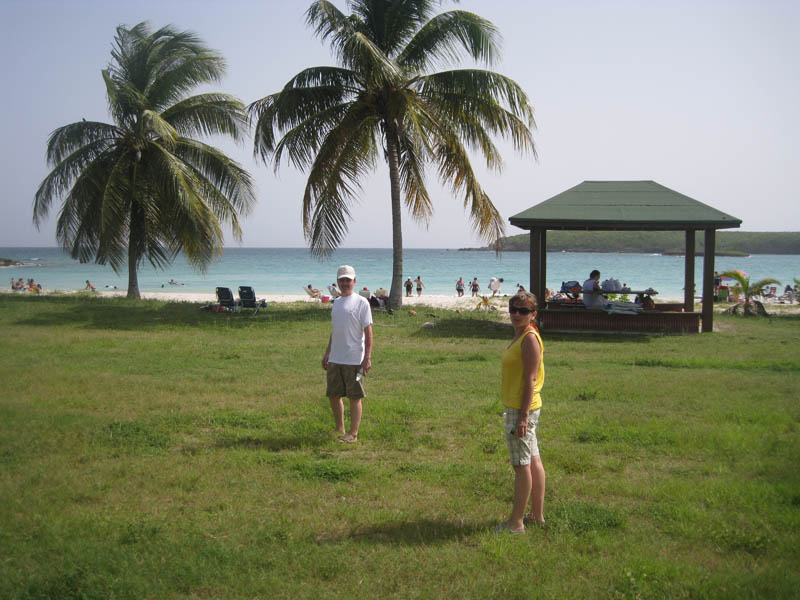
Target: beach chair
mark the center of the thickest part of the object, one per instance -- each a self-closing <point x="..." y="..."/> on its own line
<point x="247" y="299"/>
<point x="334" y="292"/>
<point x="225" y="298"/>
<point x="312" y="294"/>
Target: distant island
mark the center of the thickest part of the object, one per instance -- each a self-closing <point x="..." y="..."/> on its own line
<point x="7" y="262"/>
<point x="728" y="243"/>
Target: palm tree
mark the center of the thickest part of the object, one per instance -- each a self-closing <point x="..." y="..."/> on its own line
<point x="144" y="184"/>
<point x="747" y="290"/>
<point x="381" y="100"/>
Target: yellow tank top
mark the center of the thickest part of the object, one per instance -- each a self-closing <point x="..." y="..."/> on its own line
<point x="511" y="386"/>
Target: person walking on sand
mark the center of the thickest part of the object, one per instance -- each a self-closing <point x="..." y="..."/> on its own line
<point x="348" y="355"/>
<point x="521" y="384"/>
<point x="420" y="285"/>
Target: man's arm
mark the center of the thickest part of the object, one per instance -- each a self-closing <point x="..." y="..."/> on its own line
<point x="366" y="364"/>
<point x="327" y="354"/>
<point x="531" y="356"/>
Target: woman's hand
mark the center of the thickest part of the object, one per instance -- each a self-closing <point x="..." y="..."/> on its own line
<point x="522" y="427"/>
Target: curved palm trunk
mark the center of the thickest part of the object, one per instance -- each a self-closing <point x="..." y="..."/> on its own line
<point x="135" y="250"/>
<point x="396" y="291"/>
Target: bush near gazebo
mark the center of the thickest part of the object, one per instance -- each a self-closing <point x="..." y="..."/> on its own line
<point x="747" y="290"/>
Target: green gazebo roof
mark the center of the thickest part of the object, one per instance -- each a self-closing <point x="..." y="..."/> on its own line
<point x="623" y="205"/>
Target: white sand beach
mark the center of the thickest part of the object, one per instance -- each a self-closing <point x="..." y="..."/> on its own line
<point x="431" y="300"/>
<point x="446" y="302"/>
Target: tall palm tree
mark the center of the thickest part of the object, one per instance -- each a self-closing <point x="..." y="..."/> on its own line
<point x="144" y="186"/>
<point x="747" y="289"/>
<point x="381" y="101"/>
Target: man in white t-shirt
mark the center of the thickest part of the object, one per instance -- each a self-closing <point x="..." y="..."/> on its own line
<point x="348" y="355"/>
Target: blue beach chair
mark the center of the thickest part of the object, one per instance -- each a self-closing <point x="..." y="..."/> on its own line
<point x="247" y="299"/>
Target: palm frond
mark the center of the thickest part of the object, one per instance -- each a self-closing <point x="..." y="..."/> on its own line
<point x="69" y="138"/>
<point x="447" y="37"/>
<point x="177" y="77"/>
<point x="350" y="43"/>
<point x="759" y="285"/>
<point x="391" y="24"/>
<point x="289" y="109"/>
<point x="153" y="123"/>
<point x="80" y="228"/>
<point x="226" y="182"/>
<point x="208" y="114"/>
<point x="494" y="100"/>
<point x="348" y="153"/>
<point x="413" y="157"/>
<point x="303" y="141"/>
<point x="455" y="168"/>
<point x="65" y="173"/>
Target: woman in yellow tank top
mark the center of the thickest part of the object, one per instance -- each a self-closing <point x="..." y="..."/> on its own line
<point x="522" y="381"/>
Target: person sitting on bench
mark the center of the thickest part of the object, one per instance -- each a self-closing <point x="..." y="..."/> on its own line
<point x="592" y="295"/>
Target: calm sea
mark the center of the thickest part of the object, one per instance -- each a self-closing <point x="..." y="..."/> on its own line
<point x="287" y="270"/>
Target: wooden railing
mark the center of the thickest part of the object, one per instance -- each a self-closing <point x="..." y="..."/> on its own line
<point x="650" y="321"/>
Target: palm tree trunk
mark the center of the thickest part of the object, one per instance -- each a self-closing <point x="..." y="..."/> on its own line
<point x="396" y="291"/>
<point x="134" y="252"/>
<point x="133" y="276"/>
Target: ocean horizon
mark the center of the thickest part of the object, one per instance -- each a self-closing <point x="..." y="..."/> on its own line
<point x="288" y="270"/>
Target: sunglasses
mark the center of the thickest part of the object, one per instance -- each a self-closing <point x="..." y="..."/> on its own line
<point x="519" y="309"/>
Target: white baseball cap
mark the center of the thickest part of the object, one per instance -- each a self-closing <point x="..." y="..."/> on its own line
<point x="346" y="271"/>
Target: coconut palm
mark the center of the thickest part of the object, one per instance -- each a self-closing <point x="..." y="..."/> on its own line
<point x="143" y="186"/>
<point x="747" y="290"/>
<point x="382" y="101"/>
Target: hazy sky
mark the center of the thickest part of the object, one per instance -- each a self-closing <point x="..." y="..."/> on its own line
<point x="701" y="96"/>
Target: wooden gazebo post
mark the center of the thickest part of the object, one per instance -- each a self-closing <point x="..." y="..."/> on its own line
<point x="708" y="282"/>
<point x="538" y="264"/>
<point x="688" y="279"/>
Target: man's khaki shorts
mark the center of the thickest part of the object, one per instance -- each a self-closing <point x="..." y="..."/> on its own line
<point x="342" y="382"/>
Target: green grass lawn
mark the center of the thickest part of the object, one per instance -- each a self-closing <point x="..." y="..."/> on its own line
<point x="153" y="450"/>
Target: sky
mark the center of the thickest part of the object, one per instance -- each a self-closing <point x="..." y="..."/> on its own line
<point x="700" y="96"/>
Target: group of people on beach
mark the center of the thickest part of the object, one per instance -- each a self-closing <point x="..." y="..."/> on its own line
<point x="347" y="360"/>
<point x="30" y="285"/>
<point x="494" y="286"/>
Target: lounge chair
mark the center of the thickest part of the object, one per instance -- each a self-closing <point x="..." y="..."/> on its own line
<point x="333" y="290"/>
<point x="312" y="294"/>
<point x="225" y="298"/>
<point x="247" y="299"/>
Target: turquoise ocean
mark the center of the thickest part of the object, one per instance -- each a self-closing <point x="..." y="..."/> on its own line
<point x="287" y="270"/>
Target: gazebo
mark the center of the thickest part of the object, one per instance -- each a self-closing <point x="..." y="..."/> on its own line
<point x="628" y="206"/>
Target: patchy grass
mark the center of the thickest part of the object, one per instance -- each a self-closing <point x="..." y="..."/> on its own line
<point x="149" y="449"/>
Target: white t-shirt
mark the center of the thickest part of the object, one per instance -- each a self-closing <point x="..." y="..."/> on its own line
<point x="494" y="284"/>
<point x="593" y="299"/>
<point x="349" y="317"/>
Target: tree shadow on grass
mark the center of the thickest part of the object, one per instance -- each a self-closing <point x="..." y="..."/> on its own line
<point x="275" y="443"/>
<point x="605" y="338"/>
<point x="129" y="315"/>
<point x="467" y="328"/>
<point x="411" y="533"/>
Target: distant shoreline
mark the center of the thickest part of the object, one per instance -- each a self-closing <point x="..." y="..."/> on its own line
<point x="719" y="253"/>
